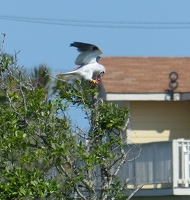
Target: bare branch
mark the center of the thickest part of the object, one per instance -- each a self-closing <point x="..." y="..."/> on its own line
<point x="134" y="192"/>
<point x="79" y="193"/>
<point x="123" y="159"/>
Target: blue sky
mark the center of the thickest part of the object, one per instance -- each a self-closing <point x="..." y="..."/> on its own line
<point x="120" y="28"/>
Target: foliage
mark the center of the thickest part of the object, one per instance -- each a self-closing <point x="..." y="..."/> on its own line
<point x="41" y="77"/>
<point x="100" y="151"/>
<point x="43" y="155"/>
<point x="32" y="136"/>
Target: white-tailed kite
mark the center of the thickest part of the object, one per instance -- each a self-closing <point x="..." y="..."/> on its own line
<point x="87" y="62"/>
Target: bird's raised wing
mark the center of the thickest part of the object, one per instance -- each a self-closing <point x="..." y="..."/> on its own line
<point x="89" y="52"/>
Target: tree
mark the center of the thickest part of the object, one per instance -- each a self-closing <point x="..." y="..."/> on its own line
<point x="41" y="77"/>
<point x="37" y="139"/>
<point x="31" y="132"/>
<point x="101" y="150"/>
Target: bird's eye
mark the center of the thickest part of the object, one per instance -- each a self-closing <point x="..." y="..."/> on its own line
<point x="94" y="48"/>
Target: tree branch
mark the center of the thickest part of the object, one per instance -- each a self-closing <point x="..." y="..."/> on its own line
<point x="134" y="192"/>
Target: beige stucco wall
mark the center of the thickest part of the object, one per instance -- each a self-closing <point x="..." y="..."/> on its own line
<point x="159" y="121"/>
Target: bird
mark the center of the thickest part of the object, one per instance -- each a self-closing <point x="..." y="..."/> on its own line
<point x="87" y="62"/>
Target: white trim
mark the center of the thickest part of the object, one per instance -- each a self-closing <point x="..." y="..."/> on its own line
<point x="146" y="97"/>
<point x="181" y="191"/>
<point x="175" y="156"/>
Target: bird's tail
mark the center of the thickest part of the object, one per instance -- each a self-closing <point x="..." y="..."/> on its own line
<point x="69" y="73"/>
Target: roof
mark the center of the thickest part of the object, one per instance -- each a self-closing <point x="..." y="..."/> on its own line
<point x="145" y="74"/>
<point x="138" y="75"/>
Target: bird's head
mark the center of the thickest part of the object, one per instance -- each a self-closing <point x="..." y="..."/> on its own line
<point x="99" y="77"/>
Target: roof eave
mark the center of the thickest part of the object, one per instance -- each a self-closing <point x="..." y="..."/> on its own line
<point x="178" y="96"/>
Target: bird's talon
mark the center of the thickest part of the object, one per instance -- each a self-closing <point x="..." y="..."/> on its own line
<point x="94" y="81"/>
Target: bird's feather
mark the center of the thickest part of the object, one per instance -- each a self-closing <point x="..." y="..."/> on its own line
<point x="82" y="47"/>
<point x="87" y="61"/>
<point x="89" y="52"/>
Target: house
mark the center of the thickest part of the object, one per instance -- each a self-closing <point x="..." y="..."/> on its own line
<point x="157" y="92"/>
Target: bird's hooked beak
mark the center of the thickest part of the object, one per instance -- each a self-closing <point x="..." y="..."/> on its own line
<point x="99" y="77"/>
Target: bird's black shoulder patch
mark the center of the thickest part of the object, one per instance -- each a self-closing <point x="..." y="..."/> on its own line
<point x="81" y="46"/>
